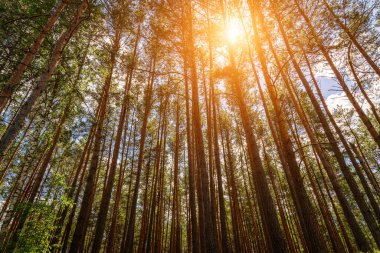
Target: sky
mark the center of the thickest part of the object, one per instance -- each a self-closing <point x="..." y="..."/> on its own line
<point x="335" y="97"/>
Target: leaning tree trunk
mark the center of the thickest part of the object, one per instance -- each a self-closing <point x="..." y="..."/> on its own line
<point x="358" y="234"/>
<point x="272" y="230"/>
<point x="366" y="121"/>
<point x="42" y="83"/>
<point x="126" y="105"/>
<point x="16" y="76"/>
<point x="360" y="85"/>
<point x="352" y="38"/>
<point x="38" y="179"/>
<point x="106" y="197"/>
<point x="309" y="224"/>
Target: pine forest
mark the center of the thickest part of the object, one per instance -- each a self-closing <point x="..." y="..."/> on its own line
<point x="197" y="126"/>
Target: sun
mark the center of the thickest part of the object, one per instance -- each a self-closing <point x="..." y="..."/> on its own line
<point x="233" y="31"/>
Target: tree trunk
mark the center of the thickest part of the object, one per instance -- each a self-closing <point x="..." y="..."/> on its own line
<point x="14" y="80"/>
<point x="88" y="196"/>
<point x="358" y="234"/>
<point x="210" y="244"/>
<point x="352" y="38"/>
<point x="42" y="83"/>
<point x="305" y="210"/>
<point x="148" y="104"/>
<point x="366" y="121"/>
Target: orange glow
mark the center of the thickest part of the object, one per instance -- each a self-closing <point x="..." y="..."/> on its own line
<point x="234" y="31"/>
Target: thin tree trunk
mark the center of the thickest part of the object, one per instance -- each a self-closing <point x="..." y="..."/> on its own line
<point x="209" y="235"/>
<point x="88" y="196"/>
<point x="366" y="121"/>
<point x="360" y="239"/>
<point x="191" y="173"/>
<point x="272" y="230"/>
<point x="212" y="108"/>
<point x="353" y="39"/>
<point x="305" y="210"/>
<point x="14" y="80"/>
<point x="148" y="104"/>
<point x="358" y="234"/>
<point x="360" y="85"/>
<point x="176" y="225"/>
<point x="106" y="197"/>
<point x="39" y="179"/>
<point x="42" y="83"/>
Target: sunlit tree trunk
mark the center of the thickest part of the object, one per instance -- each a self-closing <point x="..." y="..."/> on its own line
<point x="323" y="156"/>
<point x="352" y="38"/>
<point x="304" y="207"/>
<point x="175" y="230"/>
<point x="191" y="172"/>
<point x="366" y="121"/>
<point x="106" y="197"/>
<point x="360" y="85"/>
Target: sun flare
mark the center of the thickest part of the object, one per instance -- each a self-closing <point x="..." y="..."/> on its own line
<point x="233" y="31"/>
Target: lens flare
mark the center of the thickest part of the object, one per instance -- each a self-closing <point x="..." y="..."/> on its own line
<point x="233" y="31"/>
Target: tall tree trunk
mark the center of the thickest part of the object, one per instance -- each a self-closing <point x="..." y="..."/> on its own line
<point x="155" y="186"/>
<point x="233" y="193"/>
<point x="191" y="173"/>
<point x="14" y="80"/>
<point x="361" y="241"/>
<point x="352" y="38"/>
<point x="82" y="170"/>
<point x="366" y="121"/>
<point x="148" y="105"/>
<point x="175" y="229"/>
<point x="210" y="244"/>
<point x="128" y="195"/>
<point x="3" y="173"/>
<point x="304" y="207"/>
<point x="210" y="158"/>
<point x="212" y="108"/>
<point x="358" y="234"/>
<point x="88" y="196"/>
<point x="39" y="179"/>
<point x="272" y="230"/>
<point x="360" y="85"/>
<point x="42" y="83"/>
<point x="106" y="197"/>
<point x="77" y="180"/>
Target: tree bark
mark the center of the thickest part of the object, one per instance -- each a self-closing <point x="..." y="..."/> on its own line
<point x="42" y="83"/>
<point x="6" y="92"/>
<point x="88" y="196"/>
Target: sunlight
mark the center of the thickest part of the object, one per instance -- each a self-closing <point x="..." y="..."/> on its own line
<point x="233" y="31"/>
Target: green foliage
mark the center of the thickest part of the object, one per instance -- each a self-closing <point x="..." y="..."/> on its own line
<point x="37" y="233"/>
